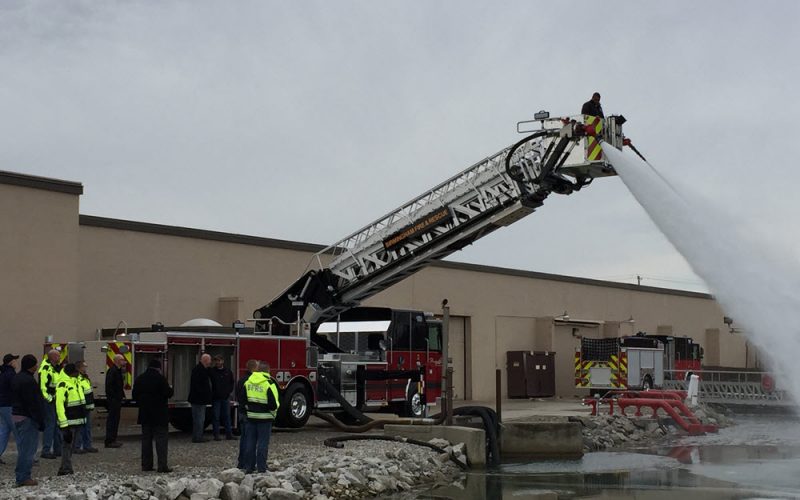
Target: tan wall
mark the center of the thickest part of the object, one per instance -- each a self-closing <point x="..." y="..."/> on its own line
<point x="68" y="280"/>
<point x="38" y="267"/>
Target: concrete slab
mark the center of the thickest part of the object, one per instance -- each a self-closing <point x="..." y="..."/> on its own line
<point x="522" y="409"/>
<point x="474" y="439"/>
<point x="546" y="438"/>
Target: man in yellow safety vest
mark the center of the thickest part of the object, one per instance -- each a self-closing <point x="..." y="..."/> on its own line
<point x="71" y="411"/>
<point x="83" y="438"/>
<point x="262" y="406"/>
<point x="49" y="374"/>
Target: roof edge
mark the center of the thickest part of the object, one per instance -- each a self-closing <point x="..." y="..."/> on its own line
<point x="568" y="279"/>
<point x="37" y="182"/>
<point x="202" y="234"/>
<point x="185" y="232"/>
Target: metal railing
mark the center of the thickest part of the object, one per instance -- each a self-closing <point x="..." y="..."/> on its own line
<point x="732" y="387"/>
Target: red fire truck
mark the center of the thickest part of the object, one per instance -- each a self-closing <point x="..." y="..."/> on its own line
<point x="682" y="356"/>
<point x="325" y="352"/>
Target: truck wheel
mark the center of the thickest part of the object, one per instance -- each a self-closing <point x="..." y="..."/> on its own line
<point x="415" y="406"/>
<point x="295" y="407"/>
<point x="647" y="383"/>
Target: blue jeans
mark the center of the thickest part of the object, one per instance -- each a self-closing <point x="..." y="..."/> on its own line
<point x="258" y="432"/>
<point x="222" y="415"/>
<point x="198" y="421"/>
<point x="51" y="439"/>
<point x="242" y="462"/>
<point x="7" y="428"/>
<point x="27" y="442"/>
<point x="83" y="434"/>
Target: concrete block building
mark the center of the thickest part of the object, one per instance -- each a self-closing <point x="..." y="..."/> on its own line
<point x="66" y="275"/>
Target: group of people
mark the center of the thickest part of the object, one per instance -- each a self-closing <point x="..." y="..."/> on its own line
<point x="58" y="405"/>
<point x="57" y="402"/>
<point x="258" y="400"/>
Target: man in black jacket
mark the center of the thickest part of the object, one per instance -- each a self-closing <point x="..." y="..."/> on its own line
<point x="222" y="384"/>
<point x="115" y="393"/>
<point x="151" y="391"/>
<point x="200" y="397"/>
<point x="592" y="107"/>
<point x="7" y="373"/>
<point x="26" y="409"/>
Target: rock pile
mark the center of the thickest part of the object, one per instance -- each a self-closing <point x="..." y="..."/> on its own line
<point x="361" y="469"/>
<point x="605" y="432"/>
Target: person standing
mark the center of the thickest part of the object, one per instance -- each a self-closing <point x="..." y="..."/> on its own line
<point x="151" y="391"/>
<point x="222" y="384"/>
<point x="115" y="393"/>
<point x="262" y="406"/>
<point x="49" y="374"/>
<point x="27" y="412"/>
<point x="71" y="411"/>
<point x="7" y="373"/>
<point x="200" y="396"/>
<point x="241" y="399"/>
<point x="592" y="107"/>
<point x="83" y="439"/>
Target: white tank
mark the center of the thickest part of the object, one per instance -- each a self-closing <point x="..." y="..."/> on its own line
<point x="201" y="322"/>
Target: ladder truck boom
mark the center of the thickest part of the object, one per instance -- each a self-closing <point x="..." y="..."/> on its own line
<point x="562" y="157"/>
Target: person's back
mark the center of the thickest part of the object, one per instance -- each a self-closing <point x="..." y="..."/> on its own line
<point x="7" y="374"/>
<point x="151" y="391"/>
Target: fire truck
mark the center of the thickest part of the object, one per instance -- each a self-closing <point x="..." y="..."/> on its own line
<point x="635" y="362"/>
<point x="682" y="356"/>
<point x="325" y="352"/>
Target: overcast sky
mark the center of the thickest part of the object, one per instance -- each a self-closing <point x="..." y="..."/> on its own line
<point x="307" y="120"/>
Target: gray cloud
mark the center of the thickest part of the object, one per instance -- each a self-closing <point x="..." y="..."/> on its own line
<point x="306" y="120"/>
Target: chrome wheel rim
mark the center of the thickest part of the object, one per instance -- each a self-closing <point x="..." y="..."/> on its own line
<point x="299" y="405"/>
<point x="417" y="407"/>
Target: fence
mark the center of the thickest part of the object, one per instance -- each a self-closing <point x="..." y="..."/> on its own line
<point x="733" y="387"/>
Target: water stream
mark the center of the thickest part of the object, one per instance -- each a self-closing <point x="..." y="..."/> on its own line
<point x="755" y="283"/>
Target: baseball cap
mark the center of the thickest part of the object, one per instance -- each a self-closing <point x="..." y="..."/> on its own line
<point x="8" y="358"/>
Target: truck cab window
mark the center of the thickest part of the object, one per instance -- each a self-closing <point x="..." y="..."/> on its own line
<point x="435" y="337"/>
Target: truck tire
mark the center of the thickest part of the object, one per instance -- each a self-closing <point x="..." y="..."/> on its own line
<point x="414" y="406"/>
<point x="647" y="383"/>
<point x="181" y="418"/>
<point x="296" y="407"/>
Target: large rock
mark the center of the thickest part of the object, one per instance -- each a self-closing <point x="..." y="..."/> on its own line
<point x="281" y="494"/>
<point x="233" y="491"/>
<point x="233" y="475"/>
<point x="267" y="481"/>
<point x="209" y="488"/>
<point x="174" y="489"/>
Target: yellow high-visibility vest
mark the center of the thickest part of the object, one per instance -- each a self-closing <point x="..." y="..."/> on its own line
<point x="262" y="397"/>
<point x="70" y="403"/>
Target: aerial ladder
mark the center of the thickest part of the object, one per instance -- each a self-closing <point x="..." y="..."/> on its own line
<point x="562" y="156"/>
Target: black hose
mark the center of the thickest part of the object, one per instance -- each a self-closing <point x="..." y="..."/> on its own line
<point x="491" y="427"/>
<point x="346" y="406"/>
<point x="336" y="442"/>
<point x="516" y="146"/>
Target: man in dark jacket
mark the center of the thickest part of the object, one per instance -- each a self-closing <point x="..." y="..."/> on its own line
<point x="115" y="393"/>
<point x="222" y="384"/>
<point x="592" y="107"/>
<point x="151" y="391"/>
<point x="200" y="397"/>
<point x="241" y="399"/>
<point x="26" y="410"/>
<point x="7" y="373"/>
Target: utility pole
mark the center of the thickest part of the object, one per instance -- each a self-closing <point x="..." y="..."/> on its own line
<point x="638" y="280"/>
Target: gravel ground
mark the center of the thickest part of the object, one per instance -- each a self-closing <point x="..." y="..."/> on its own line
<point x="297" y="460"/>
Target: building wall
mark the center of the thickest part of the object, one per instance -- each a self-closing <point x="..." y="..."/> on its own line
<point x="69" y="276"/>
<point x="38" y="261"/>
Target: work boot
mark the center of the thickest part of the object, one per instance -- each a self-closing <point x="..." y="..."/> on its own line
<point x="48" y="455"/>
<point x="65" y="472"/>
<point x="80" y="451"/>
<point x="165" y="470"/>
<point x="115" y="444"/>
<point x="92" y="450"/>
<point x="28" y="482"/>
